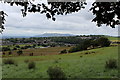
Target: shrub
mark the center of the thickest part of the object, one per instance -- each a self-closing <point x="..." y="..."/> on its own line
<point x="5" y="49"/>
<point x="17" y="46"/>
<point x="14" y="48"/>
<point x="111" y="63"/>
<point x="9" y="53"/>
<point x="63" y="51"/>
<point x="20" y="52"/>
<point x="31" y="54"/>
<point x="81" y="56"/>
<point x="56" y="61"/>
<point x="31" y="65"/>
<point x="9" y="61"/>
<point x="56" y="73"/>
<point x="3" y="53"/>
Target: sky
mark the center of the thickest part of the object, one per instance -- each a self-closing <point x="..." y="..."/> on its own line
<point x="78" y="23"/>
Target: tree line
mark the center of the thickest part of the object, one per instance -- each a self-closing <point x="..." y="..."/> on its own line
<point x="91" y="43"/>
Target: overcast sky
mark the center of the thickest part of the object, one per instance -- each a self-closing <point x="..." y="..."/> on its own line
<point x="35" y="23"/>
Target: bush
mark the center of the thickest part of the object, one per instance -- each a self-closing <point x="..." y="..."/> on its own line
<point x="56" y="61"/>
<point x="3" y="53"/>
<point x="5" y="49"/>
<point x="14" y="48"/>
<point x="9" y="61"/>
<point x="9" y="53"/>
<point x="55" y="73"/>
<point x="17" y="46"/>
<point x="31" y="65"/>
<point x="111" y="64"/>
<point x="63" y="51"/>
<point x="20" y="52"/>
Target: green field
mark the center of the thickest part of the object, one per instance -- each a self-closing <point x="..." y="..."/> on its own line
<point x="113" y="38"/>
<point x="74" y="65"/>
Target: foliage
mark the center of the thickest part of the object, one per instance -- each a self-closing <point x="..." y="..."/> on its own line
<point x="39" y="41"/>
<point x="63" y="51"/>
<point x="81" y="47"/>
<point x="3" y="53"/>
<point x="5" y="49"/>
<point x="86" y="44"/>
<point x="31" y="65"/>
<point x="111" y="64"/>
<point x="103" y="42"/>
<point x="17" y="46"/>
<point x="9" y="61"/>
<point x="106" y="13"/>
<point x="2" y="20"/>
<point x="56" y="73"/>
<point x="14" y="48"/>
<point x="57" y="8"/>
<point x="9" y="53"/>
<point x="20" y="52"/>
<point x="69" y="40"/>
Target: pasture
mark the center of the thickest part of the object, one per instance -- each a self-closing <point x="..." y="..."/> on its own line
<point x="39" y="51"/>
<point x="74" y="65"/>
<point x="113" y="38"/>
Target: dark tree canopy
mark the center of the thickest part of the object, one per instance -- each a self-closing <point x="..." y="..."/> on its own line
<point x="105" y="12"/>
<point x="56" y="8"/>
<point x="2" y="20"/>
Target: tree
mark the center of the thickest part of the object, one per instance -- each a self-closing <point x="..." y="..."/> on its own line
<point x="9" y="53"/>
<point x="6" y="49"/>
<point x="20" y="52"/>
<point x="57" y="8"/>
<point x="17" y="46"/>
<point x="3" y="53"/>
<point x="14" y="48"/>
<point x="105" y="12"/>
<point x="86" y="44"/>
<point x="2" y="20"/>
<point x="56" y="73"/>
<point x="103" y="42"/>
<point x="63" y="51"/>
<point x="82" y="46"/>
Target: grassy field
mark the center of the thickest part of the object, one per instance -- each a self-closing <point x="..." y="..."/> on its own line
<point x="113" y="38"/>
<point x="40" y="51"/>
<point x="74" y="65"/>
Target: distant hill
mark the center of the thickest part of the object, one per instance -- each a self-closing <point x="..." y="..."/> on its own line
<point x="53" y="35"/>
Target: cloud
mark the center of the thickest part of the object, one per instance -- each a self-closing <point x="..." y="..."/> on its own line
<point x="36" y="23"/>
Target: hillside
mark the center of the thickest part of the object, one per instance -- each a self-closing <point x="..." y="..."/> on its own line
<point x="75" y="65"/>
<point x="53" y="35"/>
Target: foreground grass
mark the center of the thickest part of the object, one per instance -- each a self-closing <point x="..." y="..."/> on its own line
<point x="75" y="65"/>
